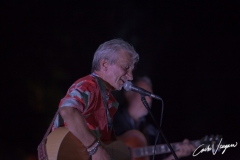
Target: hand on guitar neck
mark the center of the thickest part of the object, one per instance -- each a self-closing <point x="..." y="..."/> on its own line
<point x="183" y="149"/>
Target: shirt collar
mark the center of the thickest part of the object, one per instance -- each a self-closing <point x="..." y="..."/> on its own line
<point x="103" y="84"/>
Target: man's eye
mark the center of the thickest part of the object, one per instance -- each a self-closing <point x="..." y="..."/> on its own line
<point x="127" y="67"/>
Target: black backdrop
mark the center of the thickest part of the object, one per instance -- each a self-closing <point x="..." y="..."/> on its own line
<point x="190" y="50"/>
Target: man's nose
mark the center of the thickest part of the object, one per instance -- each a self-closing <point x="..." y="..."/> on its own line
<point x="129" y="76"/>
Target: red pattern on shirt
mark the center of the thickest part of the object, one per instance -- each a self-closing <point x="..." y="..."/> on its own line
<point x="95" y="113"/>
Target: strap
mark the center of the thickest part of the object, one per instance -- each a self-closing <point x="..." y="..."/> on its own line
<point x="104" y="100"/>
<point x="50" y="126"/>
<point x="106" y="108"/>
<point x="42" y="154"/>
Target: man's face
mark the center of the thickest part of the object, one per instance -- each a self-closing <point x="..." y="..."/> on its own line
<point x="117" y="74"/>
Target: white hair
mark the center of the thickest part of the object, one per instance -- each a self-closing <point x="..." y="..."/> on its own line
<point x="109" y="50"/>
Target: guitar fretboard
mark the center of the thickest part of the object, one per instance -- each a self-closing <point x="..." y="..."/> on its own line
<point x="160" y="149"/>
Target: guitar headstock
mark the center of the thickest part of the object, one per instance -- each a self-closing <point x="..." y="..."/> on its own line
<point x="212" y="141"/>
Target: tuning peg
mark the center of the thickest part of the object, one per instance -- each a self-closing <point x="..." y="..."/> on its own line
<point x="206" y="138"/>
<point x="212" y="137"/>
<point x="218" y="137"/>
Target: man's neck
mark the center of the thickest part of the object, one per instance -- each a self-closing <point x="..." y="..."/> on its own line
<point x="101" y="76"/>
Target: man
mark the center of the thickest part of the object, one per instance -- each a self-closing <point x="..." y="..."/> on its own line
<point x="89" y="105"/>
<point x="131" y="118"/>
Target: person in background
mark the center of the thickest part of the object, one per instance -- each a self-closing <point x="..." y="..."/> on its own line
<point x="88" y="107"/>
<point x="130" y="124"/>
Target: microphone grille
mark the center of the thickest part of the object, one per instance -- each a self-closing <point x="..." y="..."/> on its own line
<point x="127" y="85"/>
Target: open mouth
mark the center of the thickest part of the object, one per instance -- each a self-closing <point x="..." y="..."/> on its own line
<point x="122" y="81"/>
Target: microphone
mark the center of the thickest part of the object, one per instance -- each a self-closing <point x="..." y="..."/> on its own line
<point x="128" y="86"/>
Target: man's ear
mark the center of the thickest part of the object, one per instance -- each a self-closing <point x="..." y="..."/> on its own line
<point x="104" y="64"/>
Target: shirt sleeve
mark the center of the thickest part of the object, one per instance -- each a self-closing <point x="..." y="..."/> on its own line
<point x="80" y="96"/>
<point x="75" y="99"/>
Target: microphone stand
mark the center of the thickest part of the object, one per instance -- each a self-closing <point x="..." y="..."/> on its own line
<point x="159" y="129"/>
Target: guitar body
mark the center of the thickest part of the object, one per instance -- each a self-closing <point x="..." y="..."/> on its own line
<point x="63" y="145"/>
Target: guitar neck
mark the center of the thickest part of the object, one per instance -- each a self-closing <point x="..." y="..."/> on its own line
<point x="160" y="149"/>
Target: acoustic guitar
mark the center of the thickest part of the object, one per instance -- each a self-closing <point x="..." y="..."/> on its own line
<point x="63" y="145"/>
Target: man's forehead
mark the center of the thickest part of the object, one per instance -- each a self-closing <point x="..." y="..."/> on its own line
<point x="130" y="64"/>
<point x="125" y="57"/>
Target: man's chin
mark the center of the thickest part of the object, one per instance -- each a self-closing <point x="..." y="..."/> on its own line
<point x="119" y="88"/>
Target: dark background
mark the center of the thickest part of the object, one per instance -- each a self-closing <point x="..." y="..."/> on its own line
<point x="190" y="50"/>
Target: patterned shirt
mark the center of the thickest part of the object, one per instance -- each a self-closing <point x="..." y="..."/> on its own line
<point x="85" y="95"/>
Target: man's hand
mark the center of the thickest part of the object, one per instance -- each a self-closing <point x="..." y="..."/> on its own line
<point x="184" y="149"/>
<point x="101" y="154"/>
